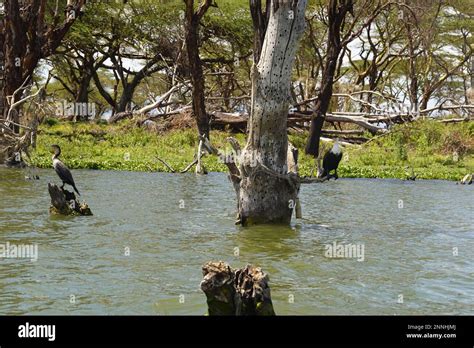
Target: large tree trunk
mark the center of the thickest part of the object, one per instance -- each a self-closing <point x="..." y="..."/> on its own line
<point x="82" y="98"/>
<point x="267" y="192"/>
<point x="337" y="11"/>
<point x="195" y="65"/>
<point x="26" y="38"/>
<point x="2" y="79"/>
<point x="15" y="46"/>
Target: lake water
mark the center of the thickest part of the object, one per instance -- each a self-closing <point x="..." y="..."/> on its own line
<point x="418" y="240"/>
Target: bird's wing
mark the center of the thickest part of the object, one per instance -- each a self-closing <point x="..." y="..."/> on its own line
<point x="64" y="173"/>
<point x="326" y="157"/>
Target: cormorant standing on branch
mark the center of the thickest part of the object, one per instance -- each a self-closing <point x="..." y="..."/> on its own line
<point x="331" y="161"/>
<point x="63" y="172"/>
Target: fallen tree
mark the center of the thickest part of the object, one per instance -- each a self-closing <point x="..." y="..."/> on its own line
<point x="158" y="103"/>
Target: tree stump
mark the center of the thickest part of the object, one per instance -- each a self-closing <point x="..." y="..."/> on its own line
<point x="238" y="292"/>
<point x="64" y="202"/>
<point x="467" y="179"/>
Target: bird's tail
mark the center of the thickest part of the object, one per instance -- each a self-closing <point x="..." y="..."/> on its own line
<point x="75" y="189"/>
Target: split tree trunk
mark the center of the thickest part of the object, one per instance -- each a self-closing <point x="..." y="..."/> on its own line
<point x="267" y="192"/>
<point x="64" y="202"/>
<point x="243" y="291"/>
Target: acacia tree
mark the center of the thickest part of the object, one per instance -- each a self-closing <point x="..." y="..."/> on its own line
<point x="267" y="189"/>
<point x="191" y="27"/>
<point x="104" y="43"/>
<point x="431" y="32"/>
<point x="337" y="11"/>
<point x="341" y="32"/>
<point x="29" y="34"/>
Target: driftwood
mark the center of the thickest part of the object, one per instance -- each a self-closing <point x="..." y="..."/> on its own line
<point x="292" y="163"/>
<point x="200" y="169"/>
<point x="185" y="170"/>
<point x="238" y="122"/>
<point x="233" y="121"/>
<point x="190" y="165"/>
<point x="166" y="164"/>
<point x="467" y="179"/>
<point x="159" y="102"/>
<point x="238" y="292"/>
<point x="64" y="202"/>
<point x="456" y="120"/>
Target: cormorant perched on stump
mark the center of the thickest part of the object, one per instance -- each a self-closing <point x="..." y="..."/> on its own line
<point x="63" y="172"/>
<point x="331" y="161"/>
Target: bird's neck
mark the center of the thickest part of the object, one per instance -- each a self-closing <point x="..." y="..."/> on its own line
<point x="336" y="149"/>
<point x="56" y="156"/>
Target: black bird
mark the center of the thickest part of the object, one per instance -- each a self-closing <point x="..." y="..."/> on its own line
<point x="63" y="172"/>
<point x="331" y="161"/>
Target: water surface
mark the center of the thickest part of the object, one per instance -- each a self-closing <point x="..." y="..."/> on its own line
<point x="172" y="224"/>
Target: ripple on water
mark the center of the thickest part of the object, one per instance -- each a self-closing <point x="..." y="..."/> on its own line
<point x="172" y="224"/>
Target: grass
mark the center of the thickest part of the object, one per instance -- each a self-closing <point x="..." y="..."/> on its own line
<point x="427" y="146"/>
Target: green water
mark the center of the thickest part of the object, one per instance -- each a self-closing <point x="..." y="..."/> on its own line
<point x="173" y="224"/>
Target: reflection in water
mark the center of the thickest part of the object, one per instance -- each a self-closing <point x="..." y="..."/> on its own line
<point x="173" y="224"/>
<point x="267" y="241"/>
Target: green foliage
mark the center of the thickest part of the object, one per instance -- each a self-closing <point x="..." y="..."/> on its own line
<point x="419" y="145"/>
<point x="51" y="121"/>
<point x="123" y="146"/>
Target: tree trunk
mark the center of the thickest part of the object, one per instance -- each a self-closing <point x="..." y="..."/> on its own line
<point x="195" y="65"/>
<point x="125" y="98"/>
<point x="64" y="202"/>
<point x="2" y="80"/>
<point x="336" y="15"/>
<point x="472" y="72"/>
<point x="25" y="38"/>
<point x="82" y="98"/>
<point x="267" y="192"/>
<point x="243" y="291"/>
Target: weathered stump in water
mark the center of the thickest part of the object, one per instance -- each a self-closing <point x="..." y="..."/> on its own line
<point x="466" y="180"/>
<point x="240" y="292"/>
<point x="64" y="202"/>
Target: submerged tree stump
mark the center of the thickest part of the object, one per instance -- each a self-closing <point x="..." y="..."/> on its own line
<point x="239" y="292"/>
<point x="64" y="202"/>
<point x="466" y="180"/>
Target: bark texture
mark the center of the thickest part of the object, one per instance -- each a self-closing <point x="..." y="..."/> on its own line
<point x="337" y="11"/>
<point x="240" y="292"/>
<point x="267" y="191"/>
<point x="64" y="202"/>
<point x="25" y="38"/>
<point x="192" y="20"/>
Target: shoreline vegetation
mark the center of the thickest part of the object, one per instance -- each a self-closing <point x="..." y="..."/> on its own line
<point x="434" y="150"/>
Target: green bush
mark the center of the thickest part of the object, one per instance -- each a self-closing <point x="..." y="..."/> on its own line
<point x="51" y="121"/>
<point x="421" y="145"/>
